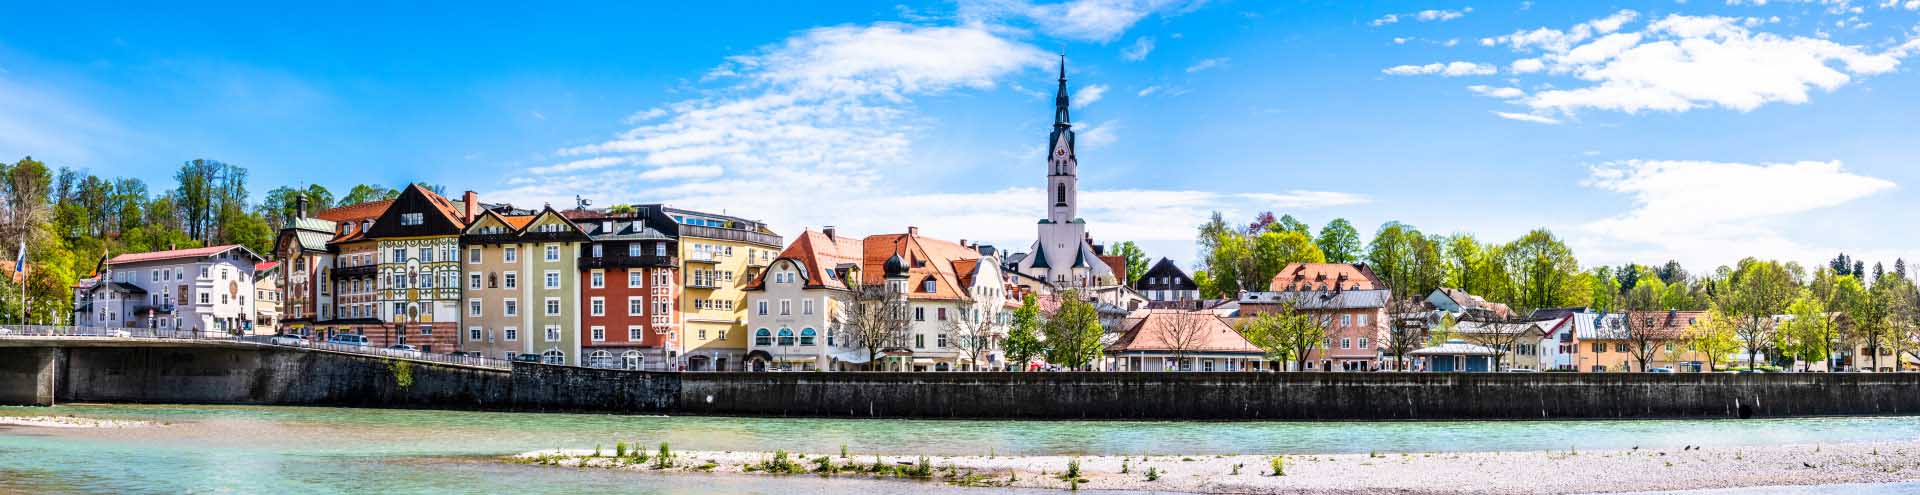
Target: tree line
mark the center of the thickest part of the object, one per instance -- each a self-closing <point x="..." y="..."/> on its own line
<point x="69" y="220"/>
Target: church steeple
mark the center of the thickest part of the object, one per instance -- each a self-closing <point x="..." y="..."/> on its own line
<point x="1060" y="118"/>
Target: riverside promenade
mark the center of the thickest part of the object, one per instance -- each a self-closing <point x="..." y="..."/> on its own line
<point x="115" y="369"/>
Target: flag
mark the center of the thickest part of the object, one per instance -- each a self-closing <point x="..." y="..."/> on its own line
<point x="20" y="262"/>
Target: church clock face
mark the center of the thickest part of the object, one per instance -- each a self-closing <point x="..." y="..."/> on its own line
<point x="1060" y="153"/>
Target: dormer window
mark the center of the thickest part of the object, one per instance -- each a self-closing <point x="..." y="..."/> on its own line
<point x="412" y="218"/>
<point x="927" y="286"/>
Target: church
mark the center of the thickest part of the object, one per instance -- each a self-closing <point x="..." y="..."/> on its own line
<point x="1065" y="256"/>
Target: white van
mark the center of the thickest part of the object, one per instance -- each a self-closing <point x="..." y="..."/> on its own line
<point x="348" y="339"/>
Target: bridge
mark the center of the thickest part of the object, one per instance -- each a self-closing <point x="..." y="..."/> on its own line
<point x="42" y="365"/>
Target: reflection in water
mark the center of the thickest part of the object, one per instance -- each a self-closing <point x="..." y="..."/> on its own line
<point x="242" y="449"/>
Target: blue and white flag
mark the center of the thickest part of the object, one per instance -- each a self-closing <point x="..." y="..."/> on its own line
<point x="20" y="261"/>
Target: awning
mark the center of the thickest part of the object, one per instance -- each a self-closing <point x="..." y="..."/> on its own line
<point x="922" y="360"/>
<point x="854" y="356"/>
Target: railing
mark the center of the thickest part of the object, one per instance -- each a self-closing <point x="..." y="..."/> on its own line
<point x="644" y="261"/>
<point x="17" y="331"/>
<point x="772" y="241"/>
<point x="354" y="271"/>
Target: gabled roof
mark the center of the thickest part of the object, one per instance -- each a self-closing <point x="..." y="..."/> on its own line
<point x="1165" y="269"/>
<point x="1455" y="348"/>
<point x="815" y="252"/>
<point x="927" y="259"/>
<point x="1325" y="276"/>
<point x="180" y="254"/>
<point x="1039" y="256"/>
<point x="1156" y="331"/>
<point x="352" y="221"/>
<point x="438" y="216"/>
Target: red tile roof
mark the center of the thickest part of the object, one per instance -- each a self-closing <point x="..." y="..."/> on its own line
<point x="353" y="218"/>
<point x="261" y="267"/>
<point x="1324" y="276"/>
<point x="1157" y="330"/>
<point x="172" y="254"/>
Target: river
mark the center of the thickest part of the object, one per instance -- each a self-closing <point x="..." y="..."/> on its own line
<point x="281" y="450"/>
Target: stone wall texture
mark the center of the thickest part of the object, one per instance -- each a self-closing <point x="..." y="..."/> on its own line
<point x="268" y="375"/>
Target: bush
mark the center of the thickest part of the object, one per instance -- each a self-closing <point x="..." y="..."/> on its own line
<point x="664" y="459"/>
<point x="922" y="469"/>
<point x="780" y="463"/>
<point x="1073" y="469"/>
<point x="620" y="449"/>
<point x="1153" y="473"/>
<point x="1279" y="466"/>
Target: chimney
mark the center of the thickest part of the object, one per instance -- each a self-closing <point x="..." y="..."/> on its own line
<point x="913" y="231"/>
<point x="300" y="206"/>
<point x="471" y="202"/>
<point x="828" y="230"/>
<point x="963" y="243"/>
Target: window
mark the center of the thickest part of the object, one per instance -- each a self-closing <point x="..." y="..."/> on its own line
<point x="1363" y="342"/>
<point x="473" y="307"/>
<point x="1599" y="347"/>
<point x="1346" y="320"/>
<point x="552" y="279"/>
<point x="597" y="306"/>
<point x="597" y="279"/>
<point x="510" y="333"/>
<point x="806" y="336"/>
<point x="473" y="280"/>
<point x="206" y="298"/>
<point x="786" y="336"/>
<point x="919" y="314"/>
<point x="660" y="309"/>
<point x="511" y="254"/>
<point x="553" y="306"/>
<point x="927" y="286"/>
<point x="940" y="314"/>
<point x="553" y="333"/>
<point x="636" y="305"/>
<point x="940" y="341"/>
<point x="553" y="356"/>
<point x="1346" y="343"/>
<point x="633" y="250"/>
<point x="426" y="255"/>
<point x="473" y="334"/>
<point x="761" y="306"/>
<point x="1620" y="347"/>
<point x="786" y="307"/>
<point x="806" y="307"/>
<point x="634" y="279"/>
<point x="412" y="218"/>
<point x="426" y="330"/>
<point x="473" y="256"/>
<point x="510" y="280"/>
<point x="597" y="333"/>
<point x="634" y="333"/>
<point x="761" y="337"/>
<point x="660" y="249"/>
<point x="510" y="308"/>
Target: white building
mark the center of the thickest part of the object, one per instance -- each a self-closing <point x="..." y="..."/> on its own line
<point x="208" y="289"/>
<point x="1064" y="256"/>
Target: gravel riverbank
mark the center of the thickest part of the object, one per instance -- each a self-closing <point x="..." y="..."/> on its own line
<point x="72" y="422"/>
<point x="1401" y="473"/>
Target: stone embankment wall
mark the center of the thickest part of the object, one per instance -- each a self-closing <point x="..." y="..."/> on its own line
<point x="266" y="375"/>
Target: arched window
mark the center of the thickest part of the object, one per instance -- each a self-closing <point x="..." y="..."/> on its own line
<point x="600" y="359"/>
<point x="762" y="337"/>
<point x="1060" y="194"/>
<point x="806" y="336"/>
<point x="553" y="356"/>
<point x="631" y="360"/>
<point x="786" y="336"/>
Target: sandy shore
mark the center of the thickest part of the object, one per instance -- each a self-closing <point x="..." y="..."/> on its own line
<point x="1419" y="473"/>
<point x="72" y="422"/>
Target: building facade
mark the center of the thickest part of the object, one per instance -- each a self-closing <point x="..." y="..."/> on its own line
<point x="1355" y="321"/>
<point x="720" y="256"/>
<point x="1166" y="285"/>
<point x="266" y="297"/>
<point x="522" y="286"/>
<point x="327" y="273"/>
<point x="629" y="292"/>
<point x="1064" y="255"/>
<point x="209" y="290"/>
<point x="417" y="275"/>
<point x="794" y="308"/>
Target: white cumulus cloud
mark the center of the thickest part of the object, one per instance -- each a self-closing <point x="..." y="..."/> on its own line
<point x="1088" y="95"/>
<point x="1450" y="69"/>
<point x="1139" y="49"/>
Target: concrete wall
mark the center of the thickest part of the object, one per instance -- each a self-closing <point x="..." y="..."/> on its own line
<point x="241" y="374"/>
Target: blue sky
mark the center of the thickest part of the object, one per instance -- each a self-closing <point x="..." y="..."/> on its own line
<point x="1702" y="131"/>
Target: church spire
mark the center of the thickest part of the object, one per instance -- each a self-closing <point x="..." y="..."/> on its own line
<point x="1060" y="100"/>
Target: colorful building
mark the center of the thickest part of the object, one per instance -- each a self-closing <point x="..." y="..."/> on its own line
<point x="522" y="286"/>
<point x="418" y="272"/>
<point x="327" y="270"/>
<point x="207" y="289"/>
<point x="794" y="308"/>
<point x="1183" y="340"/>
<point x="630" y="289"/>
<point x="720" y="256"/>
<point x="1356" y="321"/>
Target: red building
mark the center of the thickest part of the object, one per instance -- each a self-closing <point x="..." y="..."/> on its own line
<point x="629" y="297"/>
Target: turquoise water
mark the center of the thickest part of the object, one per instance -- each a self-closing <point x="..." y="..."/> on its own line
<point x="242" y="449"/>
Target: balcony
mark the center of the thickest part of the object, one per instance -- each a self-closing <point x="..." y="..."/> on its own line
<point x="707" y="258"/>
<point x="703" y="284"/>
<point x="758" y="261"/>
<point x="354" y="271"/>
<point x="701" y="231"/>
<point x="649" y="261"/>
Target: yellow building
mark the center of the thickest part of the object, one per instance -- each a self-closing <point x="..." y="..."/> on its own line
<point x="1610" y="347"/>
<point x="720" y="256"/>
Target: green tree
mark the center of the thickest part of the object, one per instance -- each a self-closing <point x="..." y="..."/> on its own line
<point x="1272" y="251"/>
<point x="1804" y="334"/>
<point x="1073" y="333"/>
<point x="1716" y="337"/>
<point x="1136" y="260"/>
<point x="1339" y="241"/>
<point x="1543" y="270"/>
<point x="1023" y="334"/>
<point x="1286" y="335"/>
<point x="1289" y="224"/>
<point x="1602" y="288"/>
<point x="1872" y="315"/>
<point x="362" y="193"/>
<point x="1756" y="291"/>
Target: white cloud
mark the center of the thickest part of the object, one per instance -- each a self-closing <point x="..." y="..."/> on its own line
<point x="1139" y="50"/>
<point x="1431" y="15"/>
<point x="1679" y="63"/>
<point x="1451" y="69"/>
<point x="1696" y="210"/>
<point x="820" y="129"/>
<point x="1149" y="90"/>
<point x="1088" y="95"/>
<point x="1527" y="117"/>
<point x="1096" y="136"/>
<point x="1505" y="93"/>
<point x="1206" y="64"/>
<point x="1085" y="20"/>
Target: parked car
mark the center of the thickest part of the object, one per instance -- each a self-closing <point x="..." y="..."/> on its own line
<point x="464" y="354"/>
<point x="287" y="339"/>
<point x="1660" y="370"/>
<point x="348" y="339"/>
<point x="526" y="358"/>
<point x="1522" y="370"/>
<point x="404" y="349"/>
